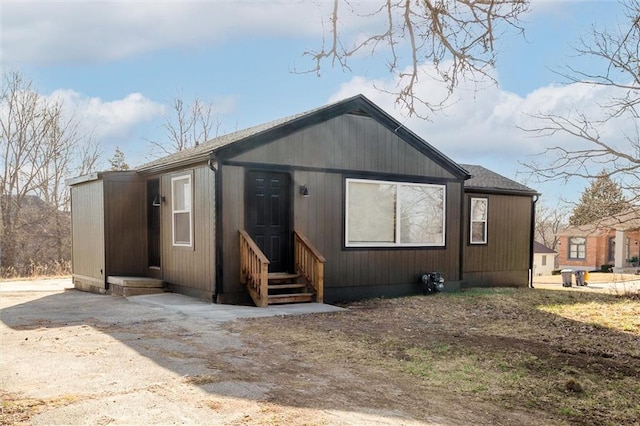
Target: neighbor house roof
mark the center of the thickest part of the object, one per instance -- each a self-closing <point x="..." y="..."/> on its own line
<point x="625" y="221"/>
<point x="541" y="248"/>
<point x="588" y="230"/>
<point x="485" y="180"/>
<point x="235" y="143"/>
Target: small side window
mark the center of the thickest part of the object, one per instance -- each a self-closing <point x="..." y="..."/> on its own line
<point x="478" y="225"/>
<point x="181" y="210"/>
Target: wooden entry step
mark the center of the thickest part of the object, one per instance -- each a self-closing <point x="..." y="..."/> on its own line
<point x="284" y="287"/>
<point x="282" y="277"/>
<point x="134" y="286"/>
<point x="290" y="298"/>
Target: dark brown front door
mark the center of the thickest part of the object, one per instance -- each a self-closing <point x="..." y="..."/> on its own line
<point x="268" y="216"/>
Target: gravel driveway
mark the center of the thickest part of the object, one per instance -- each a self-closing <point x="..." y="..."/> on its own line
<point x="70" y="357"/>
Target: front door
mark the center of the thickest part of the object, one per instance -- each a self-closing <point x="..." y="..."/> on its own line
<point x="268" y="216"/>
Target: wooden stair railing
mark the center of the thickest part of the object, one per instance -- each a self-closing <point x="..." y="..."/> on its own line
<point x="285" y="287"/>
<point x="309" y="263"/>
<point x="254" y="270"/>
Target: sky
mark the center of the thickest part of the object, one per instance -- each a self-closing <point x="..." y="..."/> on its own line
<point x="117" y="65"/>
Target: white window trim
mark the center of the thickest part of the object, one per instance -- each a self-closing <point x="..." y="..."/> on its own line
<point x="397" y="242"/>
<point x="174" y="211"/>
<point x="471" y="221"/>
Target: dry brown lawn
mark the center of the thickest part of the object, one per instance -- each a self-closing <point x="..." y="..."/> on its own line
<point x="559" y="357"/>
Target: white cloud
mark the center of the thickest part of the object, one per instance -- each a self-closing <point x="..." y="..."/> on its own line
<point x="484" y="127"/>
<point x="108" y="119"/>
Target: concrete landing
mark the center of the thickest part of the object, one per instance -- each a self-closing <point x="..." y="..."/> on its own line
<point x="134" y="286"/>
<point x="193" y="307"/>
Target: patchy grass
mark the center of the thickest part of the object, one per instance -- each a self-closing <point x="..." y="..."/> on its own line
<point x="573" y="356"/>
<point x="622" y="315"/>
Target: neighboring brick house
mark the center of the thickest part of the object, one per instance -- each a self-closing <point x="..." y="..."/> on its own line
<point x="612" y="241"/>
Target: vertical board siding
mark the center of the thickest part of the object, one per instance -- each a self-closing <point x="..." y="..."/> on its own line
<point x="233" y="220"/>
<point x="125" y="223"/>
<point x="191" y="266"/>
<point x="87" y="216"/>
<point x="320" y="217"/>
<point x="347" y="142"/>
<point x="506" y="255"/>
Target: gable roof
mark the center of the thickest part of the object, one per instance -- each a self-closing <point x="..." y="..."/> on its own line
<point x="541" y="248"/>
<point x="485" y="180"/>
<point x="232" y="144"/>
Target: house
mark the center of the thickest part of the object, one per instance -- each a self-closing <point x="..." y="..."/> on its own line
<point x="610" y="242"/>
<point x="544" y="259"/>
<point x="343" y="198"/>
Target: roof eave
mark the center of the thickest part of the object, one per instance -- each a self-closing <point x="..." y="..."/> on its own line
<point x="164" y="167"/>
<point x="96" y="176"/>
<point x="501" y="191"/>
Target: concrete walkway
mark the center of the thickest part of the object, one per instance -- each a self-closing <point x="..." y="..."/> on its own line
<point x="192" y="307"/>
<point x="177" y="303"/>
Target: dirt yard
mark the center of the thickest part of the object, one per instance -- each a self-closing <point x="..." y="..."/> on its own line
<point x="501" y="357"/>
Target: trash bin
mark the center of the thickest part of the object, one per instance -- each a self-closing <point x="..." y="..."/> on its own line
<point x="580" y="278"/>
<point x="566" y="277"/>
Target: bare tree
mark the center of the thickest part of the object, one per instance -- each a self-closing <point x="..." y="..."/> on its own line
<point x="609" y="137"/>
<point x="549" y="221"/>
<point x="456" y="37"/>
<point x="187" y="125"/>
<point x="39" y="147"/>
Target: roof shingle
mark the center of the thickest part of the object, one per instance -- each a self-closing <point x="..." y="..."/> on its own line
<point x="485" y="179"/>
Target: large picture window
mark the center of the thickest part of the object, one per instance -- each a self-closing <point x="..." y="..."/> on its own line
<point x="577" y="248"/>
<point x="182" y="210"/>
<point x="382" y="214"/>
<point x="478" y="226"/>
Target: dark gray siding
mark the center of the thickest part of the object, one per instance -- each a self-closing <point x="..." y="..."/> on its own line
<point x="232" y="220"/>
<point x="87" y="217"/>
<point x="191" y="269"/>
<point x="505" y="259"/>
<point x="347" y="142"/>
<point x="352" y="274"/>
<point x="322" y="157"/>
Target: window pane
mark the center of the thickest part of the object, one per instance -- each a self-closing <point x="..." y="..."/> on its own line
<point x="477" y="232"/>
<point x="181" y="228"/>
<point x="421" y="214"/>
<point x="181" y="194"/>
<point x="372" y="211"/>
<point x="478" y="209"/>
